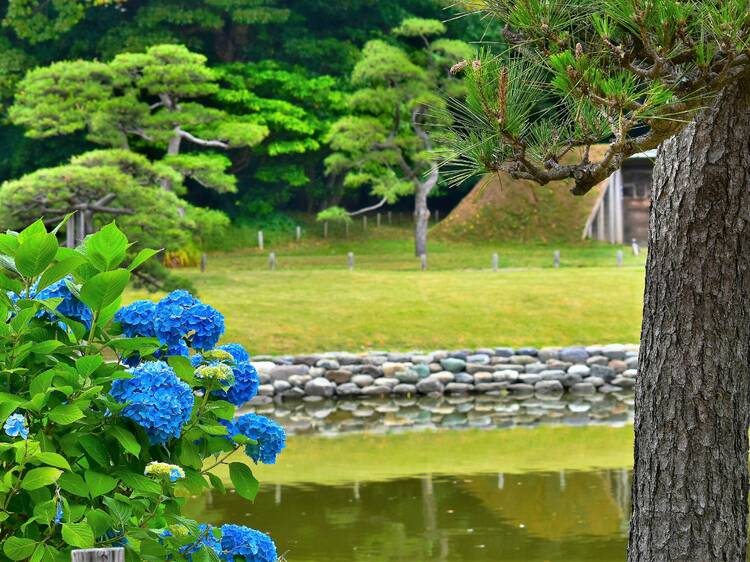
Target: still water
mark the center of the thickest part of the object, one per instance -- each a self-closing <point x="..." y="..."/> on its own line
<point x="549" y="516"/>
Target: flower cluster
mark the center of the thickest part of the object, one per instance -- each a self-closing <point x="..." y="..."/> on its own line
<point x="251" y="545"/>
<point x="162" y="469"/>
<point x="215" y="371"/>
<point x="155" y="399"/>
<point x="179" y="320"/>
<point x="15" y="426"/>
<point x="69" y="306"/>
<point x="246" y="380"/>
<point x="269" y="437"/>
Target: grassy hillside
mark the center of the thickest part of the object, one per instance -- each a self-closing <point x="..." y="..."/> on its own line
<point x="505" y="209"/>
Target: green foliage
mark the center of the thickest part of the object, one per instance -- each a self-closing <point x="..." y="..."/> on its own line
<point x="334" y="215"/>
<point x="419" y="27"/>
<point x="76" y="478"/>
<point x="623" y="72"/>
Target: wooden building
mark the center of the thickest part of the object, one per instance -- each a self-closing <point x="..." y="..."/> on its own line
<point x="620" y="215"/>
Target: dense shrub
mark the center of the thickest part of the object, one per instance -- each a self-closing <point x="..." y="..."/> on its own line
<point x="111" y="416"/>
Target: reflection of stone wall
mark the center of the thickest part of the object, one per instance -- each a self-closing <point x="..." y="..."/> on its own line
<point x="519" y="373"/>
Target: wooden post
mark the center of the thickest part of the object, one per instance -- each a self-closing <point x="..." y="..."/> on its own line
<point x="619" y="258"/>
<point x="389" y="217"/>
<point x="325" y="229"/>
<point x="272" y="261"/>
<point x="81" y="224"/>
<point x="260" y="239"/>
<point x="298" y="233"/>
<point x="437" y="215"/>
<point x="203" y="263"/>
<point x="556" y="259"/>
<point x="495" y="262"/>
<point x="364" y="223"/>
<point x="377" y="220"/>
<point x="70" y="232"/>
<point x="350" y="260"/>
<point x="423" y="259"/>
<point x="99" y="555"/>
<point x="636" y="247"/>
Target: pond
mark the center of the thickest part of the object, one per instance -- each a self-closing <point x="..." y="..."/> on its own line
<point x="549" y="493"/>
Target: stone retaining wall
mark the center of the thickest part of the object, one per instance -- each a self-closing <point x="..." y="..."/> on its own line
<point x="548" y="372"/>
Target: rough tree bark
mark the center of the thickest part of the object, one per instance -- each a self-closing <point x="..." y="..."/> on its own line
<point x="690" y="488"/>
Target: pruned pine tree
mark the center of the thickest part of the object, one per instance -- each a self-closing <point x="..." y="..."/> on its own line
<point x="385" y="142"/>
<point x="641" y="74"/>
<point x="152" y="100"/>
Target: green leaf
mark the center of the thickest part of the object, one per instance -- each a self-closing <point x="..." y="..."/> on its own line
<point x="99" y="521"/>
<point x="142" y="256"/>
<point x="53" y="459"/>
<point x="35" y="254"/>
<point x="140" y="483"/>
<point x="46" y="347"/>
<point x="65" y="414"/>
<point x="96" y="449"/>
<point x="182" y="367"/>
<point x="17" y="548"/>
<point x="126" y="439"/>
<point x="78" y="535"/>
<point x="104" y="288"/>
<point x="40" y="477"/>
<point x="88" y="364"/>
<point x="217" y="482"/>
<point x="73" y="484"/>
<point x="106" y="249"/>
<point x="8" y="244"/>
<point x="60" y="270"/>
<point x="99" y="484"/>
<point x="41" y="382"/>
<point x="243" y="480"/>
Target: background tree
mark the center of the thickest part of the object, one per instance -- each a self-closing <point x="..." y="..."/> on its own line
<point x="638" y="75"/>
<point x="384" y="142"/>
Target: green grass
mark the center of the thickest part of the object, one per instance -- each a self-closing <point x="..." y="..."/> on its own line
<point x="318" y="460"/>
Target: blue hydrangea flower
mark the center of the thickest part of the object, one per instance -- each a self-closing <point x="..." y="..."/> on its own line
<point x="180" y="298"/>
<point x="59" y="512"/>
<point x="207" y="325"/>
<point x="156" y="400"/>
<point x="137" y="319"/>
<point x="15" y="426"/>
<point x="179" y="315"/>
<point x="70" y="307"/>
<point x="169" y="324"/>
<point x="270" y="437"/>
<point x="236" y="351"/>
<point x="251" y="545"/>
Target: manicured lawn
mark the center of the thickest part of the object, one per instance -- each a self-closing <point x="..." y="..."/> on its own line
<point x="308" y="310"/>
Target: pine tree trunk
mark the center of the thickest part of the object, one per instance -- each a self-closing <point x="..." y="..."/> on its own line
<point x="421" y="220"/>
<point x="690" y="488"/>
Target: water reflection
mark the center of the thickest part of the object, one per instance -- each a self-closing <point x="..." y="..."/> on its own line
<point x="550" y="516"/>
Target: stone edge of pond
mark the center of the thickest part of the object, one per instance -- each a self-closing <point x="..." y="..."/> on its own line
<point x="500" y="371"/>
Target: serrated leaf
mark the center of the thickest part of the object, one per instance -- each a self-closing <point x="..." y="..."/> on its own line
<point x="40" y="477"/>
<point x="126" y="439"/>
<point x="103" y="288"/>
<point x="65" y="414"/>
<point x="78" y="535"/>
<point x="106" y="249"/>
<point x="141" y="257"/>
<point x="95" y="449"/>
<point x="88" y="364"/>
<point x="53" y="459"/>
<point x="99" y="484"/>
<point x="17" y="548"/>
<point x="73" y="484"/>
<point x="35" y="254"/>
<point x="60" y="270"/>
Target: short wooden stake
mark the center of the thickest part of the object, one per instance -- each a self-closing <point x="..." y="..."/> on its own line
<point x="298" y="233"/>
<point x="495" y="262"/>
<point x="423" y="259"/>
<point x="260" y="239"/>
<point x="619" y="258"/>
<point x="203" y="263"/>
<point x="636" y="247"/>
<point x="389" y="217"/>
<point x="272" y="261"/>
<point x="325" y="229"/>
<point x="70" y="232"/>
<point x="364" y="222"/>
<point x="99" y="555"/>
<point x="437" y="215"/>
<point x="350" y="260"/>
<point x="377" y="220"/>
<point x="556" y="259"/>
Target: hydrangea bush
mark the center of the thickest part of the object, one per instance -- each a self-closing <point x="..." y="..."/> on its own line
<point x="111" y="416"/>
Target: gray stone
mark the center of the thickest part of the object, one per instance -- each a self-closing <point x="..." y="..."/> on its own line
<point x="419" y="359"/>
<point x="583" y="388"/>
<point x="390" y="369"/>
<point x="505" y="376"/>
<point x="547" y="353"/>
<point x="407" y="377"/>
<point x="483" y="377"/>
<point x="532" y="351"/>
<point x="458" y="388"/>
<point x="429" y="385"/>
<point x="376" y="390"/>
<point x="632" y="362"/>
<point x="472" y="368"/>
<point x="404" y="389"/>
<point x="624" y="382"/>
<point x="580" y="370"/>
<point x="547" y="387"/>
<point x="453" y="364"/>
<point x="509" y="367"/>
<point x="596" y="381"/>
<point x="631" y="373"/>
<point x="536" y="367"/>
<point x="320" y="387"/>
<point x="362" y="380"/>
<point x="570" y="379"/>
<point x="522" y="360"/>
<point x="399" y="357"/>
<point x="491" y="386"/>
<point x="444" y="377"/>
<point x="348" y="389"/>
<point x="266" y="390"/>
<point x="299" y="380"/>
<point x="614" y="351"/>
<point x="293" y="393"/>
<point x="552" y="375"/>
<point x="521" y="389"/>
<point x="315" y="372"/>
<point x="504" y="351"/>
<point x="386" y="381"/>
<point x="263" y="378"/>
<point x="371" y="370"/>
<point x="618" y="365"/>
<point x="529" y="378"/>
<point x="606" y="373"/>
<point x="464" y="378"/>
<point x="263" y="367"/>
<point x="435" y="367"/>
<point x="576" y="354"/>
<point x="281" y="386"/>
<point x="308" y="360"/>
<point x="597" y="360"/>
<point x="331" y="364"/>
<point x="422" y="370"/>
<point x="339" y="377"/>
<point x="348" y="358"/>
<point x="479" y="358"/>
<point x="609" y="389"/>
